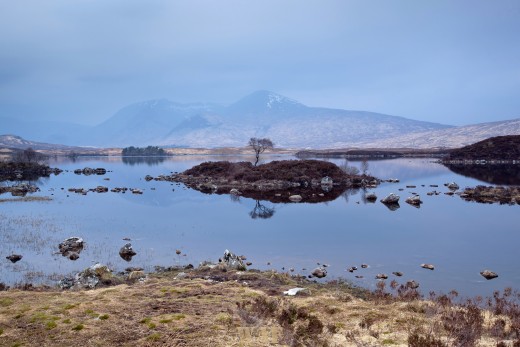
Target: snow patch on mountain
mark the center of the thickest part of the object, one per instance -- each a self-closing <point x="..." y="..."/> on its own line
<point x="448" y="138"/>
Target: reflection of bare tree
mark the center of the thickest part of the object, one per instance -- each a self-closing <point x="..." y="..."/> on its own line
<point x="348" y="192"/>
<point x="364" y="195"/>
<point x="349" y="170"/>
<point x="234" y="197"/>
<point x="261" y="211"/>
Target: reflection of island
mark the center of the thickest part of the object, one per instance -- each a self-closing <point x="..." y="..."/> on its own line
<point x="261" y="211"/>
<point x="502" y="174"/>
<point x="150" y="161"/>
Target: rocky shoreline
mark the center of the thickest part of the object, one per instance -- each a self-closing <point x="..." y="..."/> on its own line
<point x="490" y="195"/>
<point x="222" y="304"/>
<point x="14" y="171"/>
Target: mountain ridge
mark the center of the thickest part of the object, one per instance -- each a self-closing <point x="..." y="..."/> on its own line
<point x="289" y="123"/>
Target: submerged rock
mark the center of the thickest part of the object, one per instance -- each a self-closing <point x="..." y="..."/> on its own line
<point x="22" y="189"/>
<point x="412" y="284"/>
<point x="319" y="272"/>
<point x="72" y="245"/>
<point x="101" y="189"/>
<point x="371" y="197"/>
<point x="14" y="258"/>
<point x="452" y="186"/>
<point x="414" y="200"/>
<point x="489" y="275"/>
<point x="428" y="266"/>
<point x="126" y="252"/>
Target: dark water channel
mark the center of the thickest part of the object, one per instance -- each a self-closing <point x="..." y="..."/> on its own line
<point x="459" y="238"/>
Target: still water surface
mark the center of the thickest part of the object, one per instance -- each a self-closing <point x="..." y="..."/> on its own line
<point x="460" y="238"/>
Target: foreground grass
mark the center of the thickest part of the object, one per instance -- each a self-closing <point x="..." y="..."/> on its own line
<point x="240" y="309"/>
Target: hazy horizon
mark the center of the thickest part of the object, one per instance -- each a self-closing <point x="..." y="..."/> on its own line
<point x="447" y="62"/>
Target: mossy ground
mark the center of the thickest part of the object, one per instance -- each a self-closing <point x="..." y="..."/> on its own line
<point x="212" y="308"/>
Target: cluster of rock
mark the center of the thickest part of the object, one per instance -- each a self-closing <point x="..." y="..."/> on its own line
<point x="21" y="189"/>
<point x="232" y="261"/>
<point x="90" y="171"/>
<point x="71" y="247"/>
<point x="392" y="200"/>
<point x="103" y="189"/>
<point x="86" y="279"/>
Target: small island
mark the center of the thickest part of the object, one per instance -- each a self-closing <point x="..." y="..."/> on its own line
<point x="498" y="149"/>
<point x="495" y="160"/>
<point x="276" y="181"/>
<point x="143" y="151"/>
<point x="24" y="165"/>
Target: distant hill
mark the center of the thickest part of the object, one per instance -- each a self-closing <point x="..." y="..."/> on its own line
<point x="17" y="142"/>
<point x="448" y="138"/>
<point x="499" y="147"/>
<point x="14" y="143"/>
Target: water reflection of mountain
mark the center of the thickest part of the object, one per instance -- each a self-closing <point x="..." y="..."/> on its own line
<point x="150" y="161"/>
<point x="500" y="174"/>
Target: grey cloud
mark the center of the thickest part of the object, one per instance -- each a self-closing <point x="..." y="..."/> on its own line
<point x="445" y="61"/>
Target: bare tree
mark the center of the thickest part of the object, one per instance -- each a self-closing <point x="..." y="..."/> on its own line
<point x="349" y="170"/>
<point x="364" y="166"/>
<point x="259" y="146"/>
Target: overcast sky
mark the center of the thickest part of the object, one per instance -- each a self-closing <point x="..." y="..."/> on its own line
<point x="453" y="62"/>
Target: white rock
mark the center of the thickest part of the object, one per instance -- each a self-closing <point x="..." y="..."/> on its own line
<point x="295" y="198"/>
<point x="293" y="291"/>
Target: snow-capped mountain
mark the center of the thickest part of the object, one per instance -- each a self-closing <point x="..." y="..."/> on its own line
<point x="291" y="124"/>
<point x="288" y="123"/>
